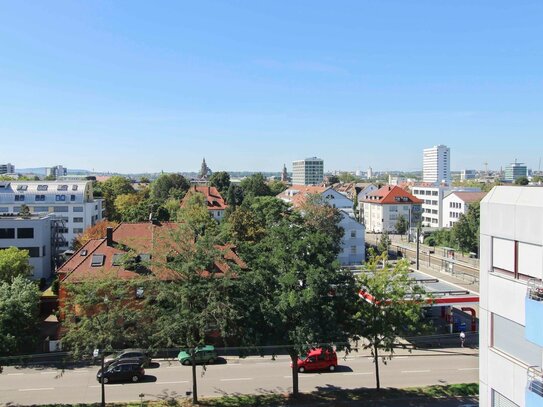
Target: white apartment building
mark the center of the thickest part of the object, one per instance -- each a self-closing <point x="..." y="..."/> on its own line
<point x="511" y="298"/>
<point x="467" y="175"/>
<point x="69" y="201"/>
<point x="382" y="208"/>
<point x="436" y="166"/>
<point x="432" y="205"/>
<point x="34" y="234"/>
<point x="456" y="204"/>
<point x="7" y="168"/>
<point x="308" y="172"/>
<point x="56" y="171"/>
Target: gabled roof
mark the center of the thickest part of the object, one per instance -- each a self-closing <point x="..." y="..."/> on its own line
<point x="214" y="199"/>
<point x="391" y="195"/>
<point x="152" y="242"/>
<point x="297" y="194"/>
<point x="469" y="197"/>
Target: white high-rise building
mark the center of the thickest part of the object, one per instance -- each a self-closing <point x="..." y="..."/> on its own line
<point x="511" y="298"/>
<point x="56" y="171"/>
<point x="437" y="165"/>
<point x="308" y="172"/>
<point x="7" y="168"/>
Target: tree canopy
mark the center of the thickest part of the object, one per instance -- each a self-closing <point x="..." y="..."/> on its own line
<point x="255" y="185"/>
<point x="522" y="181"/>
<point x="221" y="181"/>
<point x="169" y="186"/>
<point x="13" y="263"/>
<point x="110" y="190"/>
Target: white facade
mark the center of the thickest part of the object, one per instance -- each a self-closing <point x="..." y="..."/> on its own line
<point x="437" y="165"/>
<point x="69" y="201"/>
<point x="511" y="308"/>
<point x="353" y="249"/>
<point x="7" y="168"/>
<point x="308" y="172"/>
<point x="432" y="207"/>
<point x="468" y="174"/>
<point x="32" y="234"/>
<point x="456" y="204"/>
<point x="379" y="218"/>
<point x="56" y="171"/>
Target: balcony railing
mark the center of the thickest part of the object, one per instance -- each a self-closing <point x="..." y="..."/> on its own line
<point x="534" y="390"/>
<point x="534" y="312"/>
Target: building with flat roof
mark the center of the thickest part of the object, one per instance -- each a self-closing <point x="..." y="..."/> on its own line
<point x="436" y="165"/>
<point x="56" y="171"/>
<point x="71" y="202"/>
<point x="456" y="204"/>
<point x="467" y="175"/>
<point x="515" y="170"/>
<point x="308" y="172"/>
<point x="7" y="168"/>
<point x="511" y="298"/>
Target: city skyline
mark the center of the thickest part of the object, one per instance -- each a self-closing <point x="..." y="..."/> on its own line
<point x="253" y="86"/>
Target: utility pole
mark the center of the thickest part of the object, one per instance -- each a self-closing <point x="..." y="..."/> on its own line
<point x="103" y="404"/>
<point x="418" y="246"/>
<point x="194" y="386"/>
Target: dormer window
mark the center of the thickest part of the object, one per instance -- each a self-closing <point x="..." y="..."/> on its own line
<point x="62" y="188"/>
<point x="42" y="187"/>
<point x="22" y="187"/>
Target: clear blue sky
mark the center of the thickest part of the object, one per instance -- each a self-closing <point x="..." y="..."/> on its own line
<point x="136" y="86"/>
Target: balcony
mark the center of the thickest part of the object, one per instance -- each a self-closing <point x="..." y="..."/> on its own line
<point x="534" y="312"/>
<point x="534" y="390"/>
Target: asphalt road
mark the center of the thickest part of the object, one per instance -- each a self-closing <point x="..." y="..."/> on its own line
<point x="24" y="386"/>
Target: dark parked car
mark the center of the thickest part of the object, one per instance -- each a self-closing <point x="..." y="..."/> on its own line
<point x="121" y="372"/>
<point x="133" y="355"/>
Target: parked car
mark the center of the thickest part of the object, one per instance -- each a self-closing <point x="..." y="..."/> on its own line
<point x="203" y="354"/>
<point x="132" y="354"/>
<point x="318" y="359"/>
<point x="121" y="371"/>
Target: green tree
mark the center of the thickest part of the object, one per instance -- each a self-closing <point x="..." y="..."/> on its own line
<point x="255" y="185"/>
<point x="319" y="216"/>
<point x="346" y="177"/>
<point x="111" y="189"/>
<point x="169" y="186"/>
<point x="19" y="315"/>
<point x="384" y="243"/>
<point x="355" y="207"/>
<point x="402" y="225"/>
<point x="537" y="179"/>
<point x="195" y="215"/>
<point x="522" y="181"/>
<point x="465" y="232"/>
<point x="24" y="211"/>
<point x="276" y="187"/>
<point x="391" y="308"/>
<point x="221" y="181"/>
<point x="13" y="263"/>
<point x="333" y="179"/>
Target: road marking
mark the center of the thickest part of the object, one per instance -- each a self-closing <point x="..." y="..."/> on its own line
<point x="237" y="380"/>
<point x="48" y="372"/>
<point x="357" y="374"/>
<point x="415" y="371"/>
<point x="179" y="382"/>
<point x="469" y="368"/>
<point x="173" y="367"/>
<point x="107" y="385"/>
<point x="399" y="357"/>
<point x="15" y="374"/>
<point x="41" y="389"/>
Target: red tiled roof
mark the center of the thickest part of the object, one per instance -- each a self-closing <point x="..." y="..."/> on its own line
<point x="470" y="196"/>
<point x="297" y="194"/>
<point x="157" y="240"/>
<point x="388" y="195"/>
<point x="214" y="199"/>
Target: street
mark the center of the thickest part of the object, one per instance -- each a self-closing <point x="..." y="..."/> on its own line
<point x="165" y="379"/>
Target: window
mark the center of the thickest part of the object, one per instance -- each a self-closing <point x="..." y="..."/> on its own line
<point x="62" y="188"/>
<point x="25" y="233"/>
<point x="4" y="209"/>
<point x="97" y="260"/>
<point x="78" y="209"/>
<point x="40" y="198"/>
<point x="139" y="293"/>
<point x="78" y="230"/>
<point x="499" y="400"/>
<point x="42" y="187"/>
<point x="72" y="198"/>
<point x="353" y="249"/>
<point x="118" y="259"/>
<point x="32" y="251"/>
<point x="60" y="209"/>
<point x="60" y="198"/>
<point x="74" y="187"/>
<point x="22" y="187"/>
<point x="19" y="198"/>
<point x="83" y="252"/>
<point x="508" y="337"/>
<point x="41" y="209"/>
<point x="7" y="233"/>
<point x="353" y="233"/>
<point x="62" y="230"/>
<point x="78" y="220"/>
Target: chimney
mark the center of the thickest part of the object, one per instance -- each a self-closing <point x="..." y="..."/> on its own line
<point x="208" y="190"/>
<point x="109" y="236"/>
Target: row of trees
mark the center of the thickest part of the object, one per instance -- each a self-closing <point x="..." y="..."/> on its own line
<point x="292" y="294"/>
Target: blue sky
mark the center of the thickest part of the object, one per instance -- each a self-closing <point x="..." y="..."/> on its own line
<point x="137" y="86"/>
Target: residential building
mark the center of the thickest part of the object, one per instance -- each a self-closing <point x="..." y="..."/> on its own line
<point x="308" y="172"/>
<point x="382" y="208"/>
<point x="437" y="165"/>
<point x="467" y="175"/>
<point x="70" y="202"/>
<point x="456" y="204"/>
<point x="396" y="180"/>
<point x="369" y="173"/>
<point x="7" y="168"/>
<point x="511" y="298"/>
<point x="215" y="202"/>
<point x="33" y="233"/>
<point x="432" y="205"/>
<point x="515" y="170"/>
<point x="354" y="238"/>
<point x="56" y="171"/>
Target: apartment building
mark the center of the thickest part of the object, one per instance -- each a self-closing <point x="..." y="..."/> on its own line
<point x="308" y="172"/>
<point x="7" y="168"/>
<point x="436" y="166"/>
<point x="33" y="233"/>
<point x="515" y="170"/>
<point x="71" y="202"/>
<point x="511" y="298"/>
<point x="456" y="204"/>
<point x="56" y="171"/>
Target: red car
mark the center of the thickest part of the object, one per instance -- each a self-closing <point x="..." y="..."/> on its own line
<point x="318" y="359"/>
